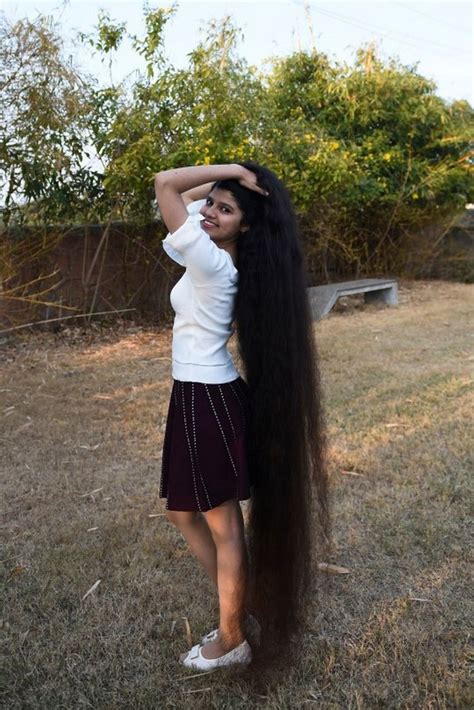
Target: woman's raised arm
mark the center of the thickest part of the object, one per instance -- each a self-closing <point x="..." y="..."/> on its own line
<point x="170" y="184"/>
<point x="197" y="193"/>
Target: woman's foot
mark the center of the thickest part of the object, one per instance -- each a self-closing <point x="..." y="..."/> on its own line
<point x="252" y="632"/>
<point x="240" y="655"/>
<point x="217" y="647"/>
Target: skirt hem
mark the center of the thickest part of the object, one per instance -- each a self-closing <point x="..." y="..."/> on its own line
<point x="205" y="510"/>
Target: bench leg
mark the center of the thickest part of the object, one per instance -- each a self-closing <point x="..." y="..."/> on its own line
<point x="385" y="295"/>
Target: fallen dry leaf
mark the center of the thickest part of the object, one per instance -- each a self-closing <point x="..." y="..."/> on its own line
<point x="332" y="569"/>
<point x="90" y="493"/>
<point x="419" y="599"/>
<point x="197" y="690"/>
<point x="195" y="675"/>
<point x="89" y="591"/>
<point x="188" y="631"/>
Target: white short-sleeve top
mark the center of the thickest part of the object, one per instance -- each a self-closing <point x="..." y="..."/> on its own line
<point x="203" y="302"/>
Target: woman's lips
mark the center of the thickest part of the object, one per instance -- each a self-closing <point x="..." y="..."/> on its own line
<point x="207" y="224"/>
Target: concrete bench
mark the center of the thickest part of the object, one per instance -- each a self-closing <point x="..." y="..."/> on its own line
<point x="323" y="298"/>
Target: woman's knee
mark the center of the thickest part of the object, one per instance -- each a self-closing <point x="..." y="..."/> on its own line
<point x="225" y="522"/>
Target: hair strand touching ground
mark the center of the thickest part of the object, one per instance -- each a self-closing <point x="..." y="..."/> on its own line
<point x="288" y="523"/>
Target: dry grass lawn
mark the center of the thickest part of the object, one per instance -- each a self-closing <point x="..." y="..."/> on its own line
<point x="83" y="415"/>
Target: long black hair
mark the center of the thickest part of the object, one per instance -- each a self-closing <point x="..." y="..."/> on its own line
<point x="288" y="522"/>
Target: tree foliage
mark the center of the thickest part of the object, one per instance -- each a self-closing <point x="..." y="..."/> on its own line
<point x="202" y="114"/>
<point x="42" y="146"/>
<point x="368" y="150"/>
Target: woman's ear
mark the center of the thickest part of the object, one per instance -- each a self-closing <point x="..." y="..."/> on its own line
<point x="244" y="228"/>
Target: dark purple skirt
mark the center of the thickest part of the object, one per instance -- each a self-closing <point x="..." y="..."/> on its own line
<point x="204" y="459"/>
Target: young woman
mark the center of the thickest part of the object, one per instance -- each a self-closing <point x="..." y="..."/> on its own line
<point x="230" y="438"/>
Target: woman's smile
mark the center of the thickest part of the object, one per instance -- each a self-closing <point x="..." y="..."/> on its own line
<point x="207" y="224"/>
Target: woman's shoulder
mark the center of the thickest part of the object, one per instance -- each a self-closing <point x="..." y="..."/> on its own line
<point x="191" y="247"/>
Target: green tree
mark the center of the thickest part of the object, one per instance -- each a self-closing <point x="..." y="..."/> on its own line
<point x="42" y="139"/>
<point x="202" y="114"/>
<point x="370" y="153"/>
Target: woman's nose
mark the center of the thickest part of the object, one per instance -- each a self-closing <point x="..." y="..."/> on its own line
<point x="209" y="213"/>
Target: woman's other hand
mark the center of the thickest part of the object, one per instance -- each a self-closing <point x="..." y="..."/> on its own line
<point x="249" y="180"/>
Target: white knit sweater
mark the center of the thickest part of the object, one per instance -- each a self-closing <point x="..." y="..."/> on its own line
<point x="203" y="301"/>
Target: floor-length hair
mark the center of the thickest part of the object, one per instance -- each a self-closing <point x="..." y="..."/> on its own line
<point x="288" y="522"/>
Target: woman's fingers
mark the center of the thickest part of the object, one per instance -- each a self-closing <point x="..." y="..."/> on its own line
<point x="257" y="188"/>
<point x="250" y="182"/>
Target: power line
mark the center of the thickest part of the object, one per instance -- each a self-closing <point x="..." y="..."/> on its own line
<point x="436" y="19"/>
<point x="385" y="29"/>
<point x="364" y="25"/>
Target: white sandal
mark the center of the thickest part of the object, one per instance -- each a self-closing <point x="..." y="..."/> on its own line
<point x="251" y="627"/>
<point x="239" y="656"/>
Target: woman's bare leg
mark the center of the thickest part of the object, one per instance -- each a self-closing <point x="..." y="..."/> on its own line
<point x="196" y="531"/>
<point x="227" y="528"/>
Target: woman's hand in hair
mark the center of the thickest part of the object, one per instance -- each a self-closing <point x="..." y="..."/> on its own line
<point x="249" y="180"/>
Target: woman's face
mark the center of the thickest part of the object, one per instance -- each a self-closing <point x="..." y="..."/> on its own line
<point x="222" y="217"/>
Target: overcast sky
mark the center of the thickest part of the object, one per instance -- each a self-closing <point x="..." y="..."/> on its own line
<point x="436" y="35"/>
